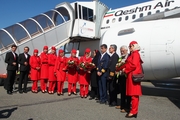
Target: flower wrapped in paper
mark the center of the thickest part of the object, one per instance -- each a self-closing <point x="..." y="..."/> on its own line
<point x="90" y="66"/>
<point x="71" y="63"/>
<point x="82" y="66"/>
<point x="119" y="64"/>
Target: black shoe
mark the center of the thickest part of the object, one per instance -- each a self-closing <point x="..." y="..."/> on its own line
<point x="91" y="98"/>
<point x="25" y="91"/>
<point x="74" y="93"/>
<point x="98" y="101"/>
<point x="9" y="92"/>
<point x="112" y="104"/>
<point x="20" y="91"/>
<point x="133" y="115"/>
<point x="102" y="102"/>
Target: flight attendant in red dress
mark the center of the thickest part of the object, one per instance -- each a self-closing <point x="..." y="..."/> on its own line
<point x="133" y="66"/>
<point x="60" y="71"/>
<point x="84" y="75"/>
<point x="44" y="69"/>
<point x="35" y="65"/>
<point x="52" y="76"/>
<point x="72" y="73"/>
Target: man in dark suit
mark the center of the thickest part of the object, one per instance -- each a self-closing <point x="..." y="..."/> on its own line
<point x="12" y="61"/>
<point x="102" y="74"/>
<point x="111" y="78"/>
<point x="23" y="60"/>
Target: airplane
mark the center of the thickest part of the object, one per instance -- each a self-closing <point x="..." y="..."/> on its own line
<point x="154" y="25"/>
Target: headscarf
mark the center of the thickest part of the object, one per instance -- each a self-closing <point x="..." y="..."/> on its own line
<point x="45" y="47"/>
<point x="35" y="51"/>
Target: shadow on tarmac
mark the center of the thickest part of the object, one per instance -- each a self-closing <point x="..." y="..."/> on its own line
<point x="6" y="113"/>
<point x="169" y="89"/>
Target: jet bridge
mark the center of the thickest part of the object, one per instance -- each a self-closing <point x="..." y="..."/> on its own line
<point x="68" y="22"/>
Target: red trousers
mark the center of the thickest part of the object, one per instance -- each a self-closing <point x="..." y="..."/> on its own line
<point x="60" y="85"/>
<point x="44" y="84"/>
<point x="135" y="104"/>
<point x="52" y="85"/>
<point x="34" y="85"/>
<point x="84" y="90"/>
<point x="71" y="87"/>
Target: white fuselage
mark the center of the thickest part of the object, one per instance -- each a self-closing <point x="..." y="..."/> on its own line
<point x="159" y="39"/>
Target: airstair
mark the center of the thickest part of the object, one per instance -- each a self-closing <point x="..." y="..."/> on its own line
<point x="68" y="22"/>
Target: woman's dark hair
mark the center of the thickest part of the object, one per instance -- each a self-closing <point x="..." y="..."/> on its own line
<point x="95" y="59"/>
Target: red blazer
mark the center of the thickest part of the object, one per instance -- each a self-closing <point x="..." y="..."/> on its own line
<point x="84" y="76"/>
<point x="58" y="69"/>
<point x="35" y="62"/>
<point x="72" y="71"/>
<point x="44" y="66"/>
<point x="133" y="66"/>
<point x="51" y="63"/>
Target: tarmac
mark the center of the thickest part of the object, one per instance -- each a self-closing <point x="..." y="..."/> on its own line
<point x="160" y="101"/>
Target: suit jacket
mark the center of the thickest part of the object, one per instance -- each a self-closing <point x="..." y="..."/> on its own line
<point x="21" y="61"/>
<point x="10" y="59"/>
<point x="103" y="63"/>
<point x="112" y="65"/>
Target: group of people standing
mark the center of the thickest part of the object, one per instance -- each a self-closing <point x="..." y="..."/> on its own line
<point x="106" y="82"/>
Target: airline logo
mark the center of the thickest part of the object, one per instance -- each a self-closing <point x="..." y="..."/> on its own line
<point x="139" y="9"/>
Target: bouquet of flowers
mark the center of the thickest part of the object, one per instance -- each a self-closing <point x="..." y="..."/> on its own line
<point x="82" y="66"/>
<point x="71" y="63"/>
<point x="90" y="66"/>
<point x="119" y="64"/>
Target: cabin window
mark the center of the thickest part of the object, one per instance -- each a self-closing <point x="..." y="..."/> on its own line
<point x="107" y="21"/>
<point x="141" y="15"/>
<point x="113" y="20"/>
<point x="157" y="11"/>
<point x="149" y="13"/>
<point x="127" y="17"/>
<point x="134" y="16"/>
<point x="166" y="9"/>
<point x="120" y="18"/>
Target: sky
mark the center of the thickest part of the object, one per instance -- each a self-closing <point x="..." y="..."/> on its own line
<point x="13" y="11"/>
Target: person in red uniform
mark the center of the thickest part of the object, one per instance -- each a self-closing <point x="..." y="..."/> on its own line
<point x="52" y="76"/>
<point x="84" y="75"/>
<point x="44" y="69"/>
<point x="60" y="71"/>
<point x="72" y="73"/>
<point x="133" y="66"/>
<point x="35" y="65"/>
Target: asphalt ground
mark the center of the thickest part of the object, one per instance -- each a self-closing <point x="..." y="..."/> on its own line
<point x="160" y="101"/>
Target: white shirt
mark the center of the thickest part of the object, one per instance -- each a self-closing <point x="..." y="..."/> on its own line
<point x="102" y="55"/>
<point x="111" y="54"/>
<point x="14" y="54"/>
<point x="26" y="55"/>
